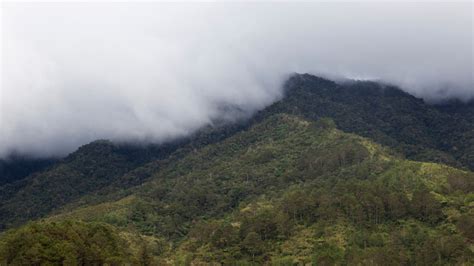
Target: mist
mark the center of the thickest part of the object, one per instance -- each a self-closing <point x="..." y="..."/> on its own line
<point x="151" y="72"/>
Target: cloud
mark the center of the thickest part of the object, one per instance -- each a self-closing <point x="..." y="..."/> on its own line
<point x="73" y="73"/>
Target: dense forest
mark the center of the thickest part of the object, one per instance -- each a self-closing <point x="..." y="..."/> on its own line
<point x="332" y="174"/>
<point x="17" y="167"/>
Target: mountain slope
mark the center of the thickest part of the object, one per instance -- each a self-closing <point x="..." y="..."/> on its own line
<point x="93" y="166"/>
<point x="386" y="115"/>
<point x="97" y="167"/>
<point x="15" y="168"/>
<point x="289" y="190"/>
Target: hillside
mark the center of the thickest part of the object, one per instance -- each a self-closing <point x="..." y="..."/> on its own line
<point x="95" y="167"/>
<point x="284" y="190"/>
<point x="387" y="115"/>
<point x="16" y="168"/>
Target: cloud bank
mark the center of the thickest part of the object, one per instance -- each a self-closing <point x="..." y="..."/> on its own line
<point x="73" y="73"/>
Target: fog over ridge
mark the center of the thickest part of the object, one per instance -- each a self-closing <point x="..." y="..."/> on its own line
<point x="73" y="73"/>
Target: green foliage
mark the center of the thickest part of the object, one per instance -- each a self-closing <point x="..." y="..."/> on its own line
<point x="92" y="167"/>
<point x="64" y="243"/>
<point x="387" y="115"/>
<point x="15" y="168"/>
<point x="252" y="244"/>
<point x="327" y="254"/>
<point x="96" y="171"/>
<point x="465" y="224"/>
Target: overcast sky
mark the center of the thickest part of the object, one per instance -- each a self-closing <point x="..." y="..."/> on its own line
<point x="73" y="73"/>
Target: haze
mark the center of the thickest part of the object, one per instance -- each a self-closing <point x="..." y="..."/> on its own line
<point x="73" y="73"/>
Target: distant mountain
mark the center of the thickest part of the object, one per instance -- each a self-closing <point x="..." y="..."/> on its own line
<point x="353" y="173"/>
<point x="15" y="168"/>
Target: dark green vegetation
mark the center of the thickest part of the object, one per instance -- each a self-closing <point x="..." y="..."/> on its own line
<point x="17" y="167"/>
<point x="387" y="115"/>
<point x="289" y="186"/>
<point x="97" y="167"/>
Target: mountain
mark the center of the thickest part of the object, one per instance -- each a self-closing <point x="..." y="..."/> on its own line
<point x="97" y="167"/>
<point x="15" y="168"/>
<point x="352" y="173"/>
<point x="388" y="116"/>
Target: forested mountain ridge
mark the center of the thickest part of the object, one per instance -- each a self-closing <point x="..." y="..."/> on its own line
<point x="287" y="186"/>
<point x="429" y="132"/>
<point x="15" y="168"/>
<point x="94" y="167"/>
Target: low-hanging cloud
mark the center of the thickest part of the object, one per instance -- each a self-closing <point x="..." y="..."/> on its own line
<point x="73" y="73"/>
